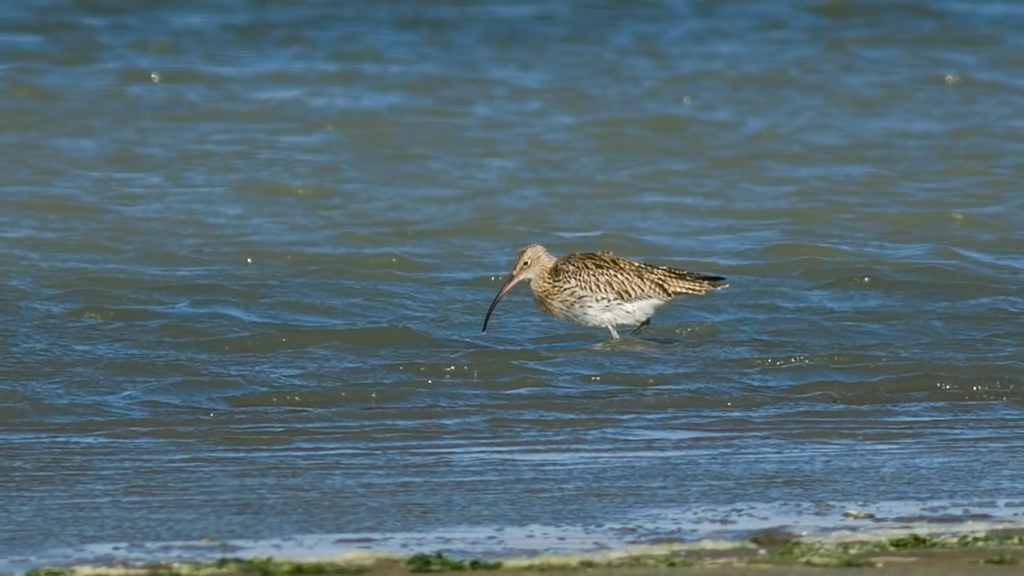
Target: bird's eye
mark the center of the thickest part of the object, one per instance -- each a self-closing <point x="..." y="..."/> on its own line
<point x="525" y="263"/>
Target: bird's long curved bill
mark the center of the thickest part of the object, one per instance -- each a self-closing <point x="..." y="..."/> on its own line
<point x="501" y="294"/>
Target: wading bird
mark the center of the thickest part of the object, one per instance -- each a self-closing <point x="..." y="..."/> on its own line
<point x="600" y="289"/>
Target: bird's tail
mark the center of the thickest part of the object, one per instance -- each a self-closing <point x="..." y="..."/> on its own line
<point x="686" y="282"/>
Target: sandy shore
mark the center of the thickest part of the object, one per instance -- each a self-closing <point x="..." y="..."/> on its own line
<point x="994" y="553"/>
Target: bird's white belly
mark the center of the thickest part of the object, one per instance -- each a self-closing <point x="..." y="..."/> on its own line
<point x="591" y="312"/>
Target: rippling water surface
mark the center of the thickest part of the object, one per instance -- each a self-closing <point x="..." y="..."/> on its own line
<point x="246" y="249"/>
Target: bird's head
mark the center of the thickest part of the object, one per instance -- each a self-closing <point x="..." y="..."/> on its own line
<point x="529" y="262"/>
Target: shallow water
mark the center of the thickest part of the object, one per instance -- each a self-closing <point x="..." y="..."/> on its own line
<point x="246" y="249"/>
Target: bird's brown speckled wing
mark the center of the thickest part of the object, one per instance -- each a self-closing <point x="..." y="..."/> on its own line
<point x="628" y="280"/>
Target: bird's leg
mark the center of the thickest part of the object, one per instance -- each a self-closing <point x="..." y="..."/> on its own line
<point x="643" y="326"/>
<point x="615" y="335"/>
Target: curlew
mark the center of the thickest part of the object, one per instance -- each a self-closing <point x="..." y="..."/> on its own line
<point x="600" y="289"/>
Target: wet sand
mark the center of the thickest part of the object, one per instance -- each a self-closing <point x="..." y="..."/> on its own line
<point x="972" y="549"/>
<point x="944" y="566"/>
<point x="945" y="561"/>
<point x="994" y="560"/>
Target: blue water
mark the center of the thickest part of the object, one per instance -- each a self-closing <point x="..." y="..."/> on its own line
<point x="246" y="249"/>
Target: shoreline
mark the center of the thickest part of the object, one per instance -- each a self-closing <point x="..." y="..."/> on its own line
<point x="770" y="554"/>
